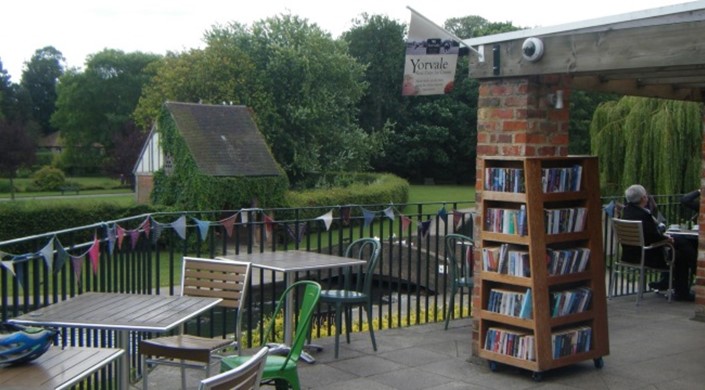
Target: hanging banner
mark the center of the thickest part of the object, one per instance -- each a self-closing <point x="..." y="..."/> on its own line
<point x="431" y="58"/>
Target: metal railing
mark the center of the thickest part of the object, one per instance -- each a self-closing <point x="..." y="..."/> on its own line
<point x="142" y="255"/>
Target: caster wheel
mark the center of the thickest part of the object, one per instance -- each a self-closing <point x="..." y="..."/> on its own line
<point x="599" y="363"/>
<point x="537" y="376"/>
<point x="493" y="366"/>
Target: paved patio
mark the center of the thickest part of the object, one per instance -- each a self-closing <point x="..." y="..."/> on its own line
<point x="654" y="346"/>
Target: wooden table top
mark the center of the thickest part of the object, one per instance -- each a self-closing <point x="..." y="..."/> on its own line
<point x="295" y="261"/>
<point x="117" y="311"/>
<point x="57" y="368"/>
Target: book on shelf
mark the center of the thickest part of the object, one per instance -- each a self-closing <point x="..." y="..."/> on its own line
<point x="565" y="220"/>
<point x="510" y="303"/>
<point x="504" y="179"/>
<point x="571" y="341"/>
<point x="561" y="179"/>
<point x="509" y="342"/>
<point x="526" y="305"/>
<point x="506" y="259"/>
<point x="570" y="301"/>
<point x="506" y="221"/>
<point x="566" y="261"/>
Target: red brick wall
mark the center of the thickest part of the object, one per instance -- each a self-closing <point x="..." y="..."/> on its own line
<point x="515" y="118"/>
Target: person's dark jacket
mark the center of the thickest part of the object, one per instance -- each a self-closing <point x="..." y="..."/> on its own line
<point x="691" y="200"/>
<point x="632" y="254"/>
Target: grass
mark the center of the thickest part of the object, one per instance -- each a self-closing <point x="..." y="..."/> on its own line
<point x="105" y="189"/>
<point x="442" y="193"/>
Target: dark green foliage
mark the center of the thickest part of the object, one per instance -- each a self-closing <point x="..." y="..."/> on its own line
<point x="187" y="188"/>
<point x="48" y="179"/>
<point x="94" y="112"/>
<point x="582" y="107"/>
<point x="22" y="219"/>
<point x="39" y="79"/>
<point x="652" y="142"/>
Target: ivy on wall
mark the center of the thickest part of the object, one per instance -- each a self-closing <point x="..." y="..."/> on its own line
<point x="187" y="188"/>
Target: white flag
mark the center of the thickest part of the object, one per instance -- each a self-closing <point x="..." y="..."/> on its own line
<point x="431" y="58"/>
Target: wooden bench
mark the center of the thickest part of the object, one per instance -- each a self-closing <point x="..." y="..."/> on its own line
<point x="58" y="368"/>
<point x="65" y="189"/>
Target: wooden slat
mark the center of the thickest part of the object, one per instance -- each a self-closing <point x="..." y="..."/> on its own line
<point x="57" y="368"/>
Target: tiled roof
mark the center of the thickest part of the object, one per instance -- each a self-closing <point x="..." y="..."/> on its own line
<point x="223" y="139"/>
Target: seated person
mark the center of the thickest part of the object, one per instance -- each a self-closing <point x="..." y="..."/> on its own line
<point x="691" y="201"/>
<point x="685" y="256"/>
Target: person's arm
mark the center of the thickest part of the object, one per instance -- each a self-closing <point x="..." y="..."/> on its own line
<point x="691" y="200"/>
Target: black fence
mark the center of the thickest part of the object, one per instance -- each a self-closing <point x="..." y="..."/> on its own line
<point x="142" y="255"/>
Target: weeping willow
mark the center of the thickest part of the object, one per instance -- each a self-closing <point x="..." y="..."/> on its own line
<point x="652" y="142"/>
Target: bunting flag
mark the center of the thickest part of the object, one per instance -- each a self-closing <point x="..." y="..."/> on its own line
<point x="48" y="254"/>
<point x="327" y="219"/>
<point x="345" y="214"/>
<point x="134" y="236"/>
<point x="443" y="214"/>
<point x="111" y="236"/>
<point x="301" y="227"/>
<point x="431" y="58"/>
<point x="369" y="216"/>
<point x="457" y="217"/>
<point x="609" y="208"/>
<point x="268" y="226"/>
<point x="229" y="223"/>
<point x="61" y="257"/>
<point x="7" y="264"/>
<point x="157" y="230"/>
<point x="76" y="263"/>
<point x="202" y="228"/>
<point x="424" y="227"/>
<point x="147" y="226"/>
<point x="405" y="222"/>
<point x="179" y="227"/>
<point x="245" y="217"/>
<point x="389" y="212"/>
<point x="94" y="254"/>
<point x="120" y="235"/>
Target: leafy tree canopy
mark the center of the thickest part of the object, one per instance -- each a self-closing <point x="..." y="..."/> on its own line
<point x="39" y="79"/>
<point x="652" y="142"/>
<point x="94" y="107"/>
<point x="302" y="85"/>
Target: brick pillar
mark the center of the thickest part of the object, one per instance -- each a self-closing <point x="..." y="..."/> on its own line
<point x="515" y="118"/>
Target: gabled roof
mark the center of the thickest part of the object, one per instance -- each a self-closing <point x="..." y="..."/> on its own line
<point x="223" y="139"/>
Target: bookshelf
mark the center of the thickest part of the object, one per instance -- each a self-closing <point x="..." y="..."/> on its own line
<point x="542" y="274"/>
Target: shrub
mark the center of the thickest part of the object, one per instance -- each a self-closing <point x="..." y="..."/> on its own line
<point x="49" y="179"/>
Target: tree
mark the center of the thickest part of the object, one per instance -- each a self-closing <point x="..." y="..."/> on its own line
<point x="5" y="92"/>
<point x="476" y="26"/>
<point x="302" y="85"/>
<point x="96" y="105"/>
<point x="16" y="151"/>
<point x="39" y="79"/>
<point x="378" y="42"/>
<point x="652" y="142"/>
<point x="582" y="107"/>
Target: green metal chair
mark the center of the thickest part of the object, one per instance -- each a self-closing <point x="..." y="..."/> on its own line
<point x="282" y="369"/>
<point x="460" y="267"/>
<point x="344" y="300"/>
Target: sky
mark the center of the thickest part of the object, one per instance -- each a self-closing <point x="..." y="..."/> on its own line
<point x="78" y="28"/>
